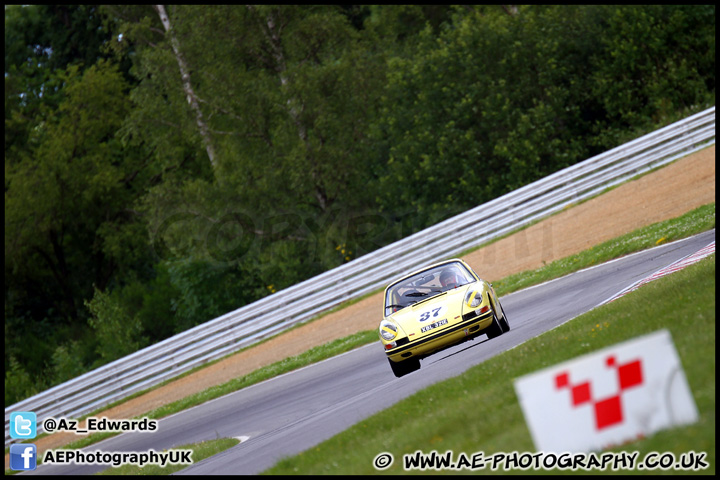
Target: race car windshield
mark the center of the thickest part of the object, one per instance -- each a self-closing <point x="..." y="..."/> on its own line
<point x="426" y="284"/>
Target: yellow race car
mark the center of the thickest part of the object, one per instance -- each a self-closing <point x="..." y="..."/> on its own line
<point x="435" y="308"/>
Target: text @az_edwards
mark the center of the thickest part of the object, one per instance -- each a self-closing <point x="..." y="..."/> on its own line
<point x="102" y="424"/>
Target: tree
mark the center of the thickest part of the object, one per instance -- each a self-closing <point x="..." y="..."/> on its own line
<point x="40" y="40"/>
<point x="491" y="103"/>
<point x="654" y="61"/>
<point x="287" y="93"/>
<point x="69" y="221"/>
<point x="187" y="84"/>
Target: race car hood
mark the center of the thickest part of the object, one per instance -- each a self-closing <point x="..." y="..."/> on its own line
<point x="418" y="319"/>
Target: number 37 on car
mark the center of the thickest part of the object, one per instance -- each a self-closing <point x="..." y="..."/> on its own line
<point x="435" y="308"/>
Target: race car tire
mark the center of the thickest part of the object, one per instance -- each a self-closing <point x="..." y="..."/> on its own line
<point x="504" y="322"/>
<point x="495" y="329"/>
<point x="400" y="369"/>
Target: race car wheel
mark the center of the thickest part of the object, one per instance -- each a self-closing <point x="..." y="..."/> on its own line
<point x="504" y="322"/>
<point x="401" y="369"/>
<point x="495" y="329"/>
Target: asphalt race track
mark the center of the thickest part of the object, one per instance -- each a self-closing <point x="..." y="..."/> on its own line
<point x="291" y="413"/>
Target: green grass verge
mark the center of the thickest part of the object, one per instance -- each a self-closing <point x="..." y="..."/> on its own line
<point x="478" y="410"/>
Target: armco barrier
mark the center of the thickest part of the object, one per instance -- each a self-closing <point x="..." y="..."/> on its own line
<point x="275" y="313"/>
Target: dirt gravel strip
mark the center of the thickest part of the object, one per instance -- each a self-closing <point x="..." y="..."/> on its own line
<point x="666" y="193"/>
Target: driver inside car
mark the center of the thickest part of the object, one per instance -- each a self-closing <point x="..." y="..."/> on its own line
<point x="452" y="278"/>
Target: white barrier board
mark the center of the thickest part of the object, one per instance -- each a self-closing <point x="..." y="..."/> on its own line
<point x="607" y="398"/>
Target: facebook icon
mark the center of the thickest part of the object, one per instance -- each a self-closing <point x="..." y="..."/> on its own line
<point x="23" y="456"/>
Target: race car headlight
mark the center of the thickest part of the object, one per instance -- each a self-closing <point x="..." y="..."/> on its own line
<point x="388" y="330"/>
<point x="473" y="299"/>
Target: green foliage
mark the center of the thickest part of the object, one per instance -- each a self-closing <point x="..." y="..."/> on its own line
<point x="55" y="36"/>
<point x="19" y="384"/>
<point x="207" y="290"/>
<point x="68" y="218"/>
<point x="499" y="101"/>
<point x="115" y="330"/>
<point x="66" y="363"/>
<point x="151" y="302"/>
<point x="333" y="128"/>
<point x="655" y="61"/>
<point x="41" y="40"/>
<point x="59" y="197"/>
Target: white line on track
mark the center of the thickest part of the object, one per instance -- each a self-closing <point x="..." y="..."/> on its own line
<point x="673" y="267"/>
